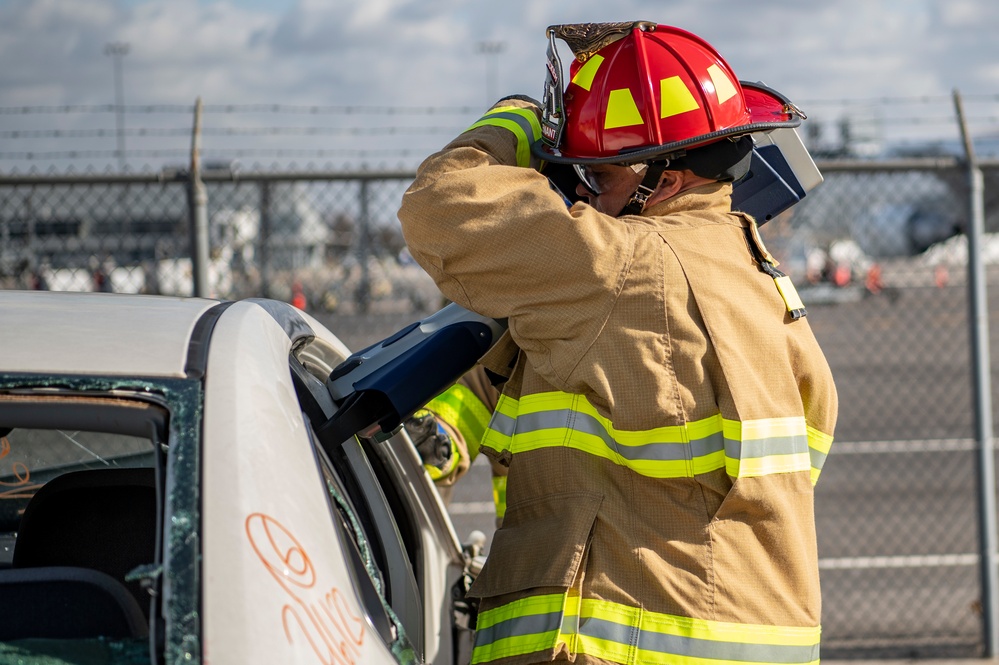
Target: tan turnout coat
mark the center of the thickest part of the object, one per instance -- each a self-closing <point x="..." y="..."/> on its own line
<point x="663" y="422"/>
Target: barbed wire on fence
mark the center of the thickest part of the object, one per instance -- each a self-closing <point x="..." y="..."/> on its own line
<point x="355" y="136"/>
<point x="242" y="108"/>
<point x="430" y="110"/>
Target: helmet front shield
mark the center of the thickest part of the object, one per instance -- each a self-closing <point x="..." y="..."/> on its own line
<point x="553" y="110"/>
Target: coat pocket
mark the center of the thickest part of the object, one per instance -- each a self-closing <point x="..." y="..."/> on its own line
<point x="540" y="544"/>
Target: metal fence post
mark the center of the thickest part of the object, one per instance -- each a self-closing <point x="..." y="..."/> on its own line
<point x="32" y="258"/>
<point x="199" y="213"/>
<point x="981" y="368"/>
<point x="363" y="295"/>
<point x="7" y="254"/>
<point x="263" y="238"/>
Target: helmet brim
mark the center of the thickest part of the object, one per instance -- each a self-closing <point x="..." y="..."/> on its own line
<point x="768" y="110"/>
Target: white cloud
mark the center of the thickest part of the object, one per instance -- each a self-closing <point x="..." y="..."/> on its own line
<point x="390" y="49"/>
<point x="424" y="52"/>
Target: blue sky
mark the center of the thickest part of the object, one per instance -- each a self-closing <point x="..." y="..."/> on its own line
<point x="835" y="58"/>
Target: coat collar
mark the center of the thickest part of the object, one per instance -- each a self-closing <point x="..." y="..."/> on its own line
<point x="712" y="197"/>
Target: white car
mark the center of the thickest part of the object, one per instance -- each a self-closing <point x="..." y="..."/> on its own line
<point x="166" y="495"/>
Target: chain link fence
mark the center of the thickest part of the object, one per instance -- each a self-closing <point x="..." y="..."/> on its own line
<point x="878" y="253"/>
<point x="329" y="238"/>
<point x="880" y="257"/>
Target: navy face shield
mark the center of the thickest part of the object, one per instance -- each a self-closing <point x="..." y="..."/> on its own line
<point x="781" y="173"/>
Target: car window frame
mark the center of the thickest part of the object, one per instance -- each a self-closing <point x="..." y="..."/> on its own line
<point x="175" y="634"/>
<point x="375" y="516"/>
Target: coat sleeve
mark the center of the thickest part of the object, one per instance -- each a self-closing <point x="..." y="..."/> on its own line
<point x="497" y="239"/>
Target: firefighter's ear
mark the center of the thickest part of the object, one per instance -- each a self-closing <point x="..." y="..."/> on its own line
<point x="670" y="184"/>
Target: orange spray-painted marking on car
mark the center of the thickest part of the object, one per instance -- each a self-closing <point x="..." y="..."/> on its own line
<point x="333" y="631"/>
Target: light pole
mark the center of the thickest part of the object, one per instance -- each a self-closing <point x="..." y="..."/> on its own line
<point x="117" y="50"/>
<point x="491" y="49"/>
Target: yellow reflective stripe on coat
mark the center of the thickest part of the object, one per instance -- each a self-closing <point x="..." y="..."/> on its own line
<point x="766" y="447"/>
<point x="819" y="444"/>
<point x="522" y="627"/>
<point x="523" y="123"/>
<point x="743" y="449"/>
<point x="623" y="634"/>
<point x="499" y="495"/>
<point x="460" y="408"/>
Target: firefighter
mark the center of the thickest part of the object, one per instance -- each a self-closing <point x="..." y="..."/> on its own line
<point x="665" y="408"/>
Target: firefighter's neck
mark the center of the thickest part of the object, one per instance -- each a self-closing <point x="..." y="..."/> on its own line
<point x="674" y="183"/>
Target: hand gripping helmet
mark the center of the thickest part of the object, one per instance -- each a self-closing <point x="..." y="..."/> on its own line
<point x="642" y="92"/>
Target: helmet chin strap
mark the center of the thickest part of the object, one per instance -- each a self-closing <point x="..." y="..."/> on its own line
<point x="636" y="204"/>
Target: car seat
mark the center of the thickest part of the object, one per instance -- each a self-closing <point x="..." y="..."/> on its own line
<point x="102" y="520"/>
<point x="60" y="602"/>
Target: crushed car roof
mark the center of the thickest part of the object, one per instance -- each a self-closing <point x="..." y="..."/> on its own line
<point x="96" y="333"/>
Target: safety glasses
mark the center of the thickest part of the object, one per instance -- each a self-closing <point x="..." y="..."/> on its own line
<point x="599" y="181"/>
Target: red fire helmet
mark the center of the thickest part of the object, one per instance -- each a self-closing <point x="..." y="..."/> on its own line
<point x="639" y="91"/>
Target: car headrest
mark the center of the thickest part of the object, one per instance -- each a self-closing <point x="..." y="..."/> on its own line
<point x="103" y="519"/>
